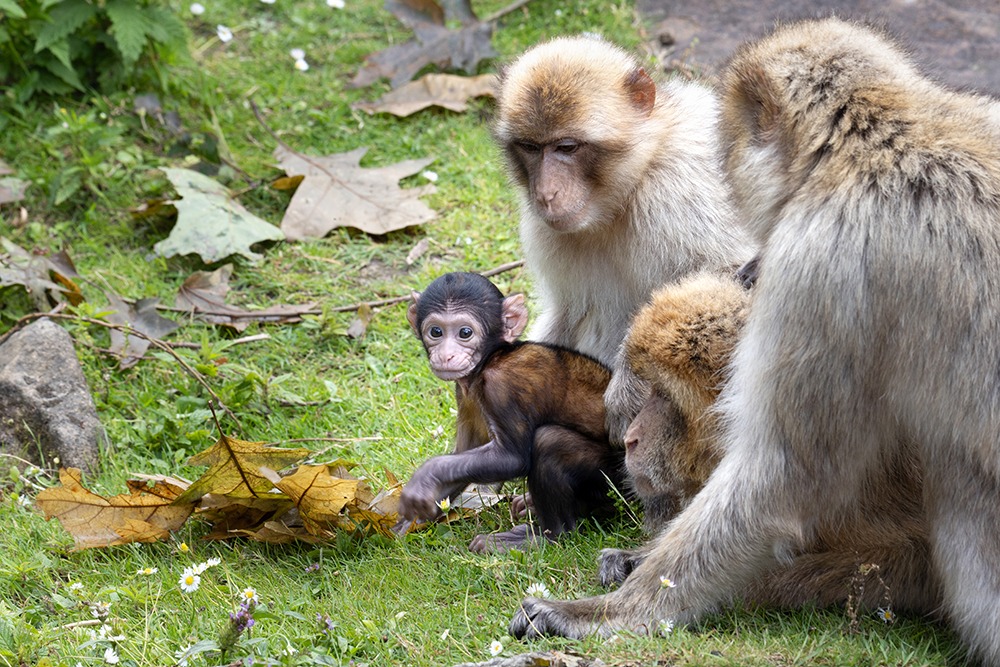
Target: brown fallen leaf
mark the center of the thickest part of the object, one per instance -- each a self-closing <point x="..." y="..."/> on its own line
<point x="141" y="317"/>
<point x="449" y="91"/>
<point x="359" y="325"/>
<point x="433" y="44"/>
<point x="204" y="295"/>
<point x="338" y="192"/>
<point x="45" y="278"/>
<point x="319" y="496"/>
<point x="146" y="514"/>
<point x="234" y="468"/>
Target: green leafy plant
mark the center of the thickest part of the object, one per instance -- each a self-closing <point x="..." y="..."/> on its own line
<point x="57" y="47"/>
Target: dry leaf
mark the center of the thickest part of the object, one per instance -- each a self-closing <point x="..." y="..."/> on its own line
<point x="12" y="189"/>
<point x="443" y="90"/>
<point x="44" y="278"/>
<point x="417" y="251"/>
<point x="234" y="468"/>
<point x="210" y="223"/>
<point x="338" y="192"/>
<point x="146" y="514"/>
<point x="433" y="43"/>
<point x="359" y="325"/>
<point x="320" y="496"/>
<point x="141" y="317"/>
<point x="204" y="294"/>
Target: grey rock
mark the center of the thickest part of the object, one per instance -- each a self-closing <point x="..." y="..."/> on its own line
<point x="46" y="411"/>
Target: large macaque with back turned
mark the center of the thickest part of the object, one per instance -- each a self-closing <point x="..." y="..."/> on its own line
<point x="873" y="332"/>
<point x="681" y="344"/>
<point x="621" y="191"/>
<point x="542" y="406"/>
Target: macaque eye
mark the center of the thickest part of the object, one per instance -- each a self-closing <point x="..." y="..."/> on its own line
<point x="528" y="147"/>
<point x="465" y="333"/>
<point x="567" y="147"/>
<point x="435" y="332"/>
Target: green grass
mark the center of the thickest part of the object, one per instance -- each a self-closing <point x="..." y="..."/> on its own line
<point x="421" y="601"/>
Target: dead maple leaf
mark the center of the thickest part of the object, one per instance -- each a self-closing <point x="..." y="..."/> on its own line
<point x="45" y="278"/>
<point x="146" y="514"/>
<point x="231" y="517"/>
<point x="449" y="91"/>
<point x="210" y="223"/>
<point x="319" y="496"/>
<point x="204" y="295"/>
<point x="141" y="317"/>
<point x="433" y="44"/>
<point x="338" y="192"/>
<point x="234" y="468"/>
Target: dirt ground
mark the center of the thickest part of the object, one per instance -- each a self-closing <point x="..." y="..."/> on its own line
<point x="956" y="41"/>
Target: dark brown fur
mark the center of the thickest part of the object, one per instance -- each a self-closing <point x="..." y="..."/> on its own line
<point x="539" y="409"/>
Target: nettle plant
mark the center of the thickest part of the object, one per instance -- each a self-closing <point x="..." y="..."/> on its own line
<point x="57" y="47"/>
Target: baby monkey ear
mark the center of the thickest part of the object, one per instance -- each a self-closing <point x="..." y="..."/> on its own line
<point x="411" y="312"/>
<point x="515" y="317"/>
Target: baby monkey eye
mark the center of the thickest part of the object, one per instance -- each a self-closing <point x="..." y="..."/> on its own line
<point x="528" y="147"/>
<point x="465" y="333"/>
<point x="567" y="147"/>
<point x="435" y="332"/>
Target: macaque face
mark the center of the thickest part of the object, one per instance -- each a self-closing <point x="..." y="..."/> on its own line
<point x="558" y="182"/>
<point x="455" y="342"/>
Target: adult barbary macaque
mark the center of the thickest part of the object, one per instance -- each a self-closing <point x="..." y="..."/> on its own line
<point x="681" y="343"/>
<point x="542" y="404"/>
<point x="873" y="327"/>
<point x="621" y="191"/>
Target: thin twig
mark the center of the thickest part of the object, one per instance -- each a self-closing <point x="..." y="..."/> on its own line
<point x="237" y="341"/>
<point x="509" y="266"/>
<point x="89" y="623"/>
<point x="285" y="442"/>
<point x="129" y="331"/>
<point x="500" y="13"/>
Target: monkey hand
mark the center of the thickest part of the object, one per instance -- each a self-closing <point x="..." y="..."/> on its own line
<point x="422" y="496"/>
<point x="564" y="618"/>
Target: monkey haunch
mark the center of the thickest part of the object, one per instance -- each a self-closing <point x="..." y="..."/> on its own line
<point x="542" y="406"/>
<point x="874" y="327"/>
<point x="621" y="191"/>
<point x="681" y="344"/>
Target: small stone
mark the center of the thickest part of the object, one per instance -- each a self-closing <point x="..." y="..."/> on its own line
<point x="46" y="410"/>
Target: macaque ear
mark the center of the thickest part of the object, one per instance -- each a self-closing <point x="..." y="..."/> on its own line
<point x="515" y="317"/>
<point x="641" y="90"/>
<point x="411" y="312"/>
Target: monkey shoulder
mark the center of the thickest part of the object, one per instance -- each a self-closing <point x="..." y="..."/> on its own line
<point x="535" y="373"/>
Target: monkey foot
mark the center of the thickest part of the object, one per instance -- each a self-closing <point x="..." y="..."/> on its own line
<point x="538" y="618"/>
<point x="518" y="537"/>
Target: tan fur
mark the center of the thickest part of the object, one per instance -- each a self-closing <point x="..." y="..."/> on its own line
<point x="648" y="199"/>
<point x="871" y="353"/>
<point x="681" y="343"/>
